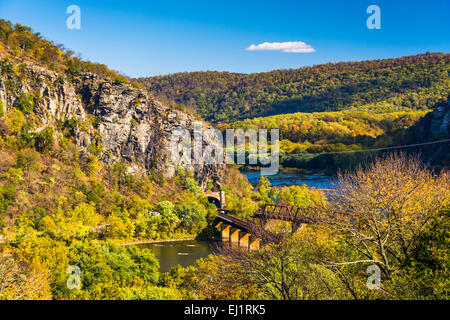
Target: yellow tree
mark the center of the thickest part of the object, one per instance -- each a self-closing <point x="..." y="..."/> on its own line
<point x="380" y="210"/>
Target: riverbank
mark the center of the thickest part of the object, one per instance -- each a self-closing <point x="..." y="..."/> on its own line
<point x="154" y="241"/>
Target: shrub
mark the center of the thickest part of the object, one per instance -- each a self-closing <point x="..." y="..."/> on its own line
<point x="45" y="140"/>
<point x="25" y="103"/>
<point x="28" y="159"/>
<point x="7" y="196"/>
<point x="15" y="120"/>
<point x="193" y="187"/>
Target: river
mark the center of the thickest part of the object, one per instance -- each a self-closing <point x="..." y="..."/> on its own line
<point x="289" y="179"/>
<point x="184" y="253"/>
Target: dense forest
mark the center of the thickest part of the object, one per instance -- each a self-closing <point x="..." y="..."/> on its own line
<point x="408" y="83"/>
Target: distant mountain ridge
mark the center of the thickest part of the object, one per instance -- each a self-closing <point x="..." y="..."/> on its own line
<point x="412" y="82"/>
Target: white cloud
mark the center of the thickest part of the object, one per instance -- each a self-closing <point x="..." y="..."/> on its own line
<point x="290" y="46"/>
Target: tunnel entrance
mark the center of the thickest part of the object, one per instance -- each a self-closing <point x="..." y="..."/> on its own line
<point x="216" y="198"/>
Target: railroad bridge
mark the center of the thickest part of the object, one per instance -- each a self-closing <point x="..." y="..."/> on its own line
<point x="248" y="235"/>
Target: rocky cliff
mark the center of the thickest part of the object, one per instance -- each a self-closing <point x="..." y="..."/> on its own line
<point x="127" y="122"/>
<point x="435" y="126"/>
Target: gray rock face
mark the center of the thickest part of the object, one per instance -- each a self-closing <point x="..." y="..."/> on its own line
<point x="129" y="122"/>
<point x="433" y="127"/>
<point x="440" y="122"/>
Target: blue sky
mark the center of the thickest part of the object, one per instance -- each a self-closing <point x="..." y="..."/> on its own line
<point x="144" y="38"/>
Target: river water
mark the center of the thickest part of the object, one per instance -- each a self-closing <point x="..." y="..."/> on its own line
<point x="289" y="179"/>
<point x="184" y="253"/>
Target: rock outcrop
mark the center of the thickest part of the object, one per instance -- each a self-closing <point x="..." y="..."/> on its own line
<point x="435" y="126"/>
<point x="128" y="122"/>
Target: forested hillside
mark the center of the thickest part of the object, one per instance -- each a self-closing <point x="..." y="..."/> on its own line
<point x="332" y="141"/>
<point x="68" y="192"/>
<point x="412" y="82"/>
<point x="323" y="111"/>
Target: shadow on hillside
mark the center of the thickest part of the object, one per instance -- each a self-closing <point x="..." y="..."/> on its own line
<point x="334" y="99"/>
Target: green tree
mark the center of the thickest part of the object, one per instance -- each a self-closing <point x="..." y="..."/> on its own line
<point x="192" y="216"/>
<point x="265" y="193"/>
<point x="45" y="140"/>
